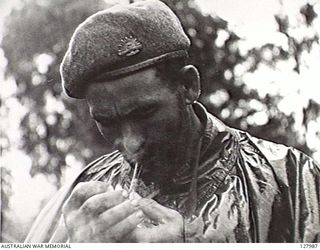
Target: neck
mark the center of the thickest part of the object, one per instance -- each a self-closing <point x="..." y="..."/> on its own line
<point x="194" y="134"/>
<point x="188" y="145"/>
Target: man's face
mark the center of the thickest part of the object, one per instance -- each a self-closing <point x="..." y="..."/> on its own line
<point x="143" y="119"/>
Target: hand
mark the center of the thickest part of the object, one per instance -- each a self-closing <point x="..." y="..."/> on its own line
<point x="167" y="224"/>
<point x="95" y="212"/>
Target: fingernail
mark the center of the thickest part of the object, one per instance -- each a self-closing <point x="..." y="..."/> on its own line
<point x="134" y="202"/>
<point x="109" y="188"/>
<point x="134" y="195"/>
<point x="139" y="214"/>
<point x="125" y="194"/>
<point x="131" y="196"/>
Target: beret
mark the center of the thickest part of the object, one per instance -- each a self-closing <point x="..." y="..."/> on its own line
<point x="120" y="40"/>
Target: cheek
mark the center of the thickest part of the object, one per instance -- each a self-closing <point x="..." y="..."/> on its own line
<point x="162" y="130"/>
<point x="142" y="131"/>
<point x="165" y="128"/>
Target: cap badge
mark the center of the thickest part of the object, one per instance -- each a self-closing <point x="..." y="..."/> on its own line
<point x="129" y="46"/>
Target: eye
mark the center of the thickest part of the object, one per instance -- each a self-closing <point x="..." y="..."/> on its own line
<point x="104" y="121"/>
<point x="144" y="112"/>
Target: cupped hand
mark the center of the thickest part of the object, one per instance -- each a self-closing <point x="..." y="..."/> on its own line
<point x="162" y="224"/>
<point x="95" y="212"/>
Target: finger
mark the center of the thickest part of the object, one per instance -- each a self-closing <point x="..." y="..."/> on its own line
<point x="119" y="232"/>
<point x="134" y="196"/>
<point x="76" y="226"/>
<point x="155" y="211"/>
<point x="147" y="235"/>
<point x="82" y="192"/>
<point x="114" y="215"/>
<point x="102" y="202"/>
<point x="79" y="234"/>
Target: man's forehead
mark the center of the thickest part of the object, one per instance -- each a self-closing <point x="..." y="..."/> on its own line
<point x="128" y="94"/>
<point x="108" y="101"/>
<point x="145" y="82"/>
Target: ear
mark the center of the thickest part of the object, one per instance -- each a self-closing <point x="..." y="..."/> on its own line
<point x="190" y="80"/>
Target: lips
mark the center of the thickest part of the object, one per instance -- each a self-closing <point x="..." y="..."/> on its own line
<point x="146" y="163"/>
<point x="155" y="164"/>
<point x="133" y="158"/>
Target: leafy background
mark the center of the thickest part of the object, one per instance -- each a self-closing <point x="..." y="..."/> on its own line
<point x="54" y="136"/>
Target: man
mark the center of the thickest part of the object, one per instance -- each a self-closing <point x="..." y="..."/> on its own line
<point x="177" y="174"/>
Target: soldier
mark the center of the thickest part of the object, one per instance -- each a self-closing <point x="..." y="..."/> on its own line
<point x="177" y="173"/>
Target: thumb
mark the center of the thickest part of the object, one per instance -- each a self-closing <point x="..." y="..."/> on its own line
<point x="155" y="211"/>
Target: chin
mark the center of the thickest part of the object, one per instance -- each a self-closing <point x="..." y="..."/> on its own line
<point x="157" y="166"/>
<point x="156" y="170"/>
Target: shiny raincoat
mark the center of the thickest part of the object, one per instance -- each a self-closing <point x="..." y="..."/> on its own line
<point x="243" y="189"/>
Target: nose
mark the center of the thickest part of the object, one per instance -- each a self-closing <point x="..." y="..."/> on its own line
<point x="132" y="139"/>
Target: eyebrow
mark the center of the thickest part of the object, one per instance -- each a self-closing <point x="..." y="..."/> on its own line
<point x="131" y="111"/>
<point x="102" y="117"/>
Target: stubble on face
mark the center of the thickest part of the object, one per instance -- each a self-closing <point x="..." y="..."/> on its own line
<point x="166" y="133"/>
<point x="167" y="157"/>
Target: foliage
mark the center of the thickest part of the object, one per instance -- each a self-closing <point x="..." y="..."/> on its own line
<point x="55" y="126"/>
<point x="227" y="96"/>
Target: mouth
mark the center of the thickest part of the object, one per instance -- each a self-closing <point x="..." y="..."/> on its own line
<point x="154" y="166"/>
<point x="147" y="163"/>
<point x="132" y="159"/>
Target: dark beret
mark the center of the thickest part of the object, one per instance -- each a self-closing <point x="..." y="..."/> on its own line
<point x="121" y="40"/>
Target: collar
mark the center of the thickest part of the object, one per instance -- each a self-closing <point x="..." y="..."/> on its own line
<point x="213" y="161"/>
<point x="218" y="142"/>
